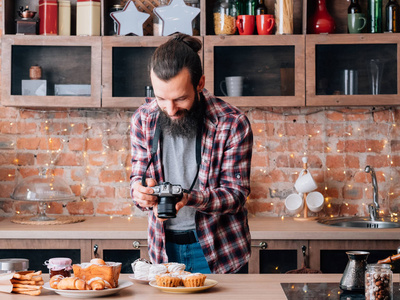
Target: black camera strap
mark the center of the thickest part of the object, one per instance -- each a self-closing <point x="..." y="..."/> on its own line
<point x="154" y="147"/>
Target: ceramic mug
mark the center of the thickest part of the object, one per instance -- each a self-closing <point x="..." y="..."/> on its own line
<point x="315" y="201"/>
<point x="356" y="22"/>
<point x="234" y="86"/>
<point x="294" y="203"/>
<point x="245" y="24"/>
<point x="265" y="24"/>
<point x="305" y="183"/>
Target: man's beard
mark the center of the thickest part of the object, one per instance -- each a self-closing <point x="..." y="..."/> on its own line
<point x="186" y="126"/>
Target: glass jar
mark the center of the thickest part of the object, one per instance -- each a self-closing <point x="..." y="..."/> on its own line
<point x="113" y="30"/>
<point x="225" y="13"/>
<point x="284" y="16"/>
<point x="378" y="282"/>
<point x="88" y="17"/>
<point x="196" y="21"/>
<point x="158" y="24"/>
<point x="9" y="265"/>
<point x="59" y="266"/>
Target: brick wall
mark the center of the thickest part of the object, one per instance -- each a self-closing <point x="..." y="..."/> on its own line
<point x="89" y="149"/>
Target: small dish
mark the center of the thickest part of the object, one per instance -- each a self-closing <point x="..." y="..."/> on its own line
<point x="209" y="283"/>
<point x="142" y="281"/>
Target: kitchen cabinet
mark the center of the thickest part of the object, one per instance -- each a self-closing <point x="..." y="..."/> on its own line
<point x="300" y="69"/>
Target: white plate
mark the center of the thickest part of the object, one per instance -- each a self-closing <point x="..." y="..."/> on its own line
<point x="132" y="276"/>
<point x="209" y="283"/>
<point x="122" y="284"/>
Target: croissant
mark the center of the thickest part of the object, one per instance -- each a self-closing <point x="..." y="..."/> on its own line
<point x="55" y="280"/>
<point x="71" y="283"/>
<point x="96" y="284"/>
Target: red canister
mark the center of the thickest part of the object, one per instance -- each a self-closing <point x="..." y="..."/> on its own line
<point x="48" y="14"/>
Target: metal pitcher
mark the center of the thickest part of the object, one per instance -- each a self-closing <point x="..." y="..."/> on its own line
<point x="353" y="278"/>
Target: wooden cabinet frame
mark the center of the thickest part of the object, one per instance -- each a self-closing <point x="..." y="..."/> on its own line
<point x="121" y="245"/>
<point x="50" y="101"/>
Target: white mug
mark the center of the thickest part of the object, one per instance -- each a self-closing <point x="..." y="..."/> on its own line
<point x="234" y="86"/>
<point x="294" y="203"/>
<point x="315" y="201"/>
<point x="305" y="183"/>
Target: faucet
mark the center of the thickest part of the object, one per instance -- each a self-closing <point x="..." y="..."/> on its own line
<point x="373" y="208"/>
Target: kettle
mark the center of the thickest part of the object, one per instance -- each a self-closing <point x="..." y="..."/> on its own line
<point x="353" y="278"/>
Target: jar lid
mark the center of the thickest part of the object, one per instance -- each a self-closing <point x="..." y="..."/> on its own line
<point x="14" y="264"/>
<point x="58" y="263"/>
<point x="379" y="266"/>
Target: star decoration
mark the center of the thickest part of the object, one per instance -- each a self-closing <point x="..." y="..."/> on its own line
<point x="177" y="17"/>
<point x="129" y="20"/>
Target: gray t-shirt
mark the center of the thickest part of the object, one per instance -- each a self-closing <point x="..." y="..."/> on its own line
<point x="179" y="164"/>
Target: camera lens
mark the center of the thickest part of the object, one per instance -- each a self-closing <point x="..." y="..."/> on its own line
<point x="166" y="207"/>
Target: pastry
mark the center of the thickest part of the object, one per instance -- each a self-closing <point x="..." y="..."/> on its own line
<point x="108" y="271"/>
<point x="193" y="280"/>
<point x="157" y="269"/>
<point x="55" y="280"/>
<point x="71" y="283"/>
<point x="98" y="283"/>
<point x="168" y="280"/>
<point x="175" y="267"/>
<point x="141" y="270"/>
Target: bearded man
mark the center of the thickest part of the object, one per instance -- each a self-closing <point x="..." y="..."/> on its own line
<point x="188" y="137"/>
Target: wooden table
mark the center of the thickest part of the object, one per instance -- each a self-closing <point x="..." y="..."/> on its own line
<point x="231" y="286"/>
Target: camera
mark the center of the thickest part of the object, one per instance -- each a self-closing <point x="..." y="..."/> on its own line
<point x="169" y="194"/>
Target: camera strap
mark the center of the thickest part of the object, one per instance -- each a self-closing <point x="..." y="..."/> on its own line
<point x="154" y="147"/>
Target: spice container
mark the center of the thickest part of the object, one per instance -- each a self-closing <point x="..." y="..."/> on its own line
<point x="378" y="282"/>
<point x="88" y="17"/>
<point x="158" y="24"/>
<point x="8" y="265"/>
<point x="48" y="14"/>
<point x="284" y="16"/>
<point x="35" y="72"/>
<point x="225" y="13"/>
<point x="113" y="29"/>
<point x="64" y="17"/>
<point x="59" y="266"/>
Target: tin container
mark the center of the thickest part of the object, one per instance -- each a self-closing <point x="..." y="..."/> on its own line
<point x="8" y="265"/>
<point x="48" y="14"/>
<point x="64" y="17"/>
<point x="88" y="17"/>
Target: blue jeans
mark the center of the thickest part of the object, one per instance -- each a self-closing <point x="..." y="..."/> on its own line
<point x="189" y="254"/>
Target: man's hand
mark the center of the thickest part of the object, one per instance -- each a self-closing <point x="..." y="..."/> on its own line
<point x="182" y="202"/>
<point x="142" y="195"/>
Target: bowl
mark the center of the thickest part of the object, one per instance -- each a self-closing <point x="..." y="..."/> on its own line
<point x="27" y="14"/>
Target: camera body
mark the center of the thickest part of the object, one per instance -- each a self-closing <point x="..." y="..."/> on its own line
<point x="168" y="194"/>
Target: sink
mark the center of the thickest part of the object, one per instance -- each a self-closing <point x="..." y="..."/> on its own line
<point x="360" y="222"/>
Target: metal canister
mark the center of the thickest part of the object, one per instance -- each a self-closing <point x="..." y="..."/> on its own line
<point x="88" y="17"/>
<point x="8" y="265"/>
<point x="64" y="17"/>
<point x="113" y="28"/>
<point x="48" y="14"/>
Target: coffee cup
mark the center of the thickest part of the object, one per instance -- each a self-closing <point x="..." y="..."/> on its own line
<point x="265" y="24"/>
<point x="294" y="203"/>
<point x="356" y="22"/>
<point x="234" y="86"/>
<point x="305" y="183"/>
<point x="315" y="201"/>
<point x="245" y="24"/>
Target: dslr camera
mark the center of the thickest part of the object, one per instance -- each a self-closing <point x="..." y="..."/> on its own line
<point x="168" y="194"/>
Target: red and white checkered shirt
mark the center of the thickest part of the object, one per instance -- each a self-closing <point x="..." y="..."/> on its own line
<point x="224" y="183"/>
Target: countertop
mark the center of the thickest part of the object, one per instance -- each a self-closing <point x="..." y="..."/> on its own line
<point x="232" y="286"/>
<point x="136" y="228"/>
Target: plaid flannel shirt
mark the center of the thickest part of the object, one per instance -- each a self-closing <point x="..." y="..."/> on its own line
<point x="224" y="183"/>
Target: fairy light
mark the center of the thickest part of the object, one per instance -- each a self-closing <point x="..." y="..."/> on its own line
<point x="282" y="218"/>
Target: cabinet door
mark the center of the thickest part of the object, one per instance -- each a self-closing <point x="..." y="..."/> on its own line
<point x="272" y="68"/>
<point x="70" y="71"/>
<point x="124" y="251"/>
<point x="38" y="251"/>
<point x="275" y="256"/>
<point x="352" y="69"/>
<point x="330" y="256"/>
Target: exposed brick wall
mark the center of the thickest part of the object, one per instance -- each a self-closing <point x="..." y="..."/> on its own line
<point x="89" y="149"/>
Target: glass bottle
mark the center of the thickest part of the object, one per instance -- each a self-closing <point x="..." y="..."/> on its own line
<point x="250" y="7"/>
<point x="378" y="282"/>
<point x="225" y="13"/>
<point x="374" y="16"/>
<point x="196" y="21"/>
<point x="240" y="7"/>
<point x="354" y="7"/>
<point x="157" y="23"/>
<point x="260" y="8"/>
<point x="321" y="21"/>
<point x="392" y="16"/>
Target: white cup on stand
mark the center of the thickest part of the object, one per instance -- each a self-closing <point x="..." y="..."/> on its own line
<point x="294" y="203"/>
<point x="315" y="201"/>
<point x="234" y="86"/>
<point x="305" y="183"/>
